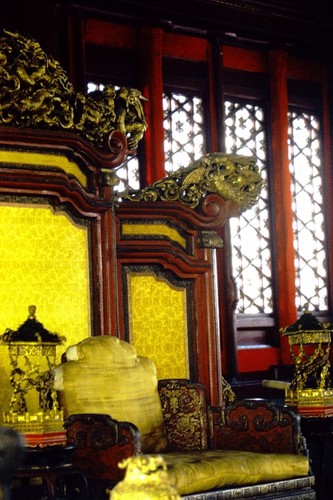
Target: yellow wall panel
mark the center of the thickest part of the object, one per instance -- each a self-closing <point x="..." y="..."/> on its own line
<point x="43" y="262"/>
<point x="158" y="323"/>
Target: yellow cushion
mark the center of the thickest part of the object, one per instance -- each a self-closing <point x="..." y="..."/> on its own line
<point x="104" y="375"/>
<point x="192" y="472"/>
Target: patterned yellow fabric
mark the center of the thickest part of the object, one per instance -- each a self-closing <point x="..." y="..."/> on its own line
<point x="193" y="472"/>
<point x="104" y="375"/>
<point x="44" y="260"/>
<point x="158" y="310"/>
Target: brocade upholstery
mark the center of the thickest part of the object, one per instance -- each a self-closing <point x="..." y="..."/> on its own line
<point x="104" y="375"/>
<point x="192" y="472"/>
<point x="184" y="409"/>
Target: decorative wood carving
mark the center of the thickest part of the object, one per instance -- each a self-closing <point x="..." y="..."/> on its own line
<point x="257" y="425"/>
<point x="100" y="443"/>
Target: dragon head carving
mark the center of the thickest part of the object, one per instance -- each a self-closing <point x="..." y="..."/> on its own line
<point x="233" y="177"/>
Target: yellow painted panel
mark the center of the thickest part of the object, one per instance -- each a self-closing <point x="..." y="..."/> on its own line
<point x="43" y="262"/>
<point x="154" y="229"/>
<point x="43" y="160"/>
<point x="158" y="323"/>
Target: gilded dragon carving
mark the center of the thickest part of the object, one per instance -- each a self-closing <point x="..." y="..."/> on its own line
<point x="36" y="92"/>
<point x="233" y="177"/>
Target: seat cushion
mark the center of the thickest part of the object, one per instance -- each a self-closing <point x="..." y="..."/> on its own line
<point x="192" y="472"/>
<point x="103" y="374"/>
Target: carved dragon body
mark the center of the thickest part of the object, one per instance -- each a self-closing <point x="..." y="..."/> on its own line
<point x="233" y="177"/>
<point x="35" y="92"/>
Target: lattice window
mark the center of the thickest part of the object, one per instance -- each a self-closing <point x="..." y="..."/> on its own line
<point x="184" y="141"/>
<point x="308" y="223"/>
<point x="250" y="234"/>
<point x="183" y="130"/>
<point x="128" y="173"/>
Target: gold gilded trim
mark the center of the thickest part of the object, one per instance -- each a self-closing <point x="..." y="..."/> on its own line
<point x="210" y="239"/>
<point x="310" y="337"/>
<point x="153" y="230"/>
<point x="309" y="397"/>
<point x="44" y="160"/>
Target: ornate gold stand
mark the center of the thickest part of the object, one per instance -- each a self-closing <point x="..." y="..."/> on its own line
<point x="32" y="362"/>
<point x="310" y="392"/>
<point x="311" y="402"/>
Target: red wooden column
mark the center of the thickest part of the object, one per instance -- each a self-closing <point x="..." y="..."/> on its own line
<point x="286" y="292"/>
<point x="105" y="316"/>
<point x="328" y="176"/>
<point x="151" y="50"/>
<point x="225" y="282"/>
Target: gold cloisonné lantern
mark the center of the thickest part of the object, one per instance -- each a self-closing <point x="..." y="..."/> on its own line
<point x="310" y="391"/>
<point x="33" y="410"/>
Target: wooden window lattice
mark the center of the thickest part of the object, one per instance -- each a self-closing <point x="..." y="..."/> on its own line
<point x="183" y="130"/>
<point x="250" y="234"/>
<point x="308" y="215"/>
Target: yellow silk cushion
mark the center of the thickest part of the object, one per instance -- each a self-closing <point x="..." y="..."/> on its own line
<point x="192" y="472"/>
<point x="103" y="374"/>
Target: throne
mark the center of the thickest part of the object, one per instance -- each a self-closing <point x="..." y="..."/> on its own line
<point x="97" y="255"/>
<point x="243" y="449"/>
